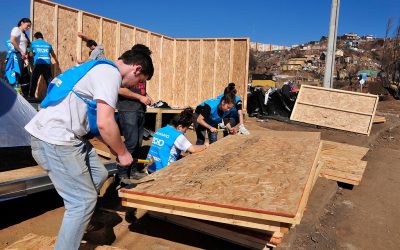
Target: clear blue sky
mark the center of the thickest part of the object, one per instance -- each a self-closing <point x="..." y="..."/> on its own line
<point x="282" y="22"/>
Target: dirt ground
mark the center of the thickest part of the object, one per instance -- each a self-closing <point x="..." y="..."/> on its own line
<point x="337" y="216"/>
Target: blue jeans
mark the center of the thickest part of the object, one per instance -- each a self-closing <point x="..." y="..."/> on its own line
<point x="201" y="133"/>
<point x="132" y="128"/>
<point x="77" y="174"/>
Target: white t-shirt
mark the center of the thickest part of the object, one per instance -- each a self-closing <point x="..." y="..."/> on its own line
<point x="64" y="123"/>
<point x="181" y="144"/>
<point x="21" y="39"/>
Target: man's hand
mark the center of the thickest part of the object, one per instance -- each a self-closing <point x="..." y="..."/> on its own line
<point x="213" y="130"/>
<point x="146" y="100"/>
<point x="125" y="159"/>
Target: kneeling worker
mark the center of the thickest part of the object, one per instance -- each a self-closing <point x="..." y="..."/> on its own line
<point x="170" y="141"/>
<point x="209" y="114"/>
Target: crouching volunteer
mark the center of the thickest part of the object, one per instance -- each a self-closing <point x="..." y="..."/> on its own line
<point x="170" y="141"/>
<point x="235" y="118"/>
<point x="79" y="101"/>
<point x="209" y="114"/>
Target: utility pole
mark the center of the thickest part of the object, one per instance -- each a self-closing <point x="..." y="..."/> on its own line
<point x="330" y="53"/>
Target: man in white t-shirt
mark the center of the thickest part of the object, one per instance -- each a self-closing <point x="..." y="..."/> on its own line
<point x="58" y="137"/>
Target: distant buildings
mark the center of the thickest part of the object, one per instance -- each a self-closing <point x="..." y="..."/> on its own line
<point x="267" y="47"/>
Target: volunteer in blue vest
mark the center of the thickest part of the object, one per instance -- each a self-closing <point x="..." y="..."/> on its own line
<point x="80" y="101"/>
<point x="209" y="114"/>
<point x="42" y="51"/>
<point x="235" y="118"/>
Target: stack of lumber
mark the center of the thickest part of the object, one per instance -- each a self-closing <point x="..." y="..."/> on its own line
<point x="342" y="162"/>
<point x="338" y="109"/>
<point x="379" y="119"/>
<point x="261" y="182"/>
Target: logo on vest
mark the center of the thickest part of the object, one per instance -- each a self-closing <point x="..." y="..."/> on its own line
<point x="158" y="142"/>
<point x="57" y="82"/>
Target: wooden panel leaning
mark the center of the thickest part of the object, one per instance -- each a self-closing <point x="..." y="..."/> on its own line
<point x="339" y="109"/>
<point x="251" y="181"/>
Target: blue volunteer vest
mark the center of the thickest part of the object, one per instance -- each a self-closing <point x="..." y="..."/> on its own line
<point x="41" y="50"/>
<point x="161" y="147"/>
<point x="214" y="119"/>
<point x="12" y="66"/>
<point x="233" y="111"/>
<point x="64" y="83"/>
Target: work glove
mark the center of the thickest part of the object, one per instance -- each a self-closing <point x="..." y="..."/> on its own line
<point x="222" y="125"/>
<point x="243" y="130"/>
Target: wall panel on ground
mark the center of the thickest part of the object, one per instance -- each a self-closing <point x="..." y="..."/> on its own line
<point x="187" y="71"/>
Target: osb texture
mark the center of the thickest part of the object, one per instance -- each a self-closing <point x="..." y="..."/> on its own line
<point x="44" y="21"/>
<point x="109" y="39"/>
<point x="239" y="66"/>
<point x="127" y="38"/>
<point x="67" y="38"/>
<point x="180" y="73"/>
<point x="207" y="69"/>
<point x="335" y="109"/>
<point x="262" y="171"/>
<point x="193" y="78"/>
<point x="222" y="62"/>
<point x="141" y="37"/>
<point x="90" y="28"/>
<point x="167" y="70"/>
<point x="155" y="46"/>
<point x="343" y="161"/>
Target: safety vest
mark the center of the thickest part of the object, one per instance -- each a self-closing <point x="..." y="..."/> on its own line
<point x="41" y="50"/>
<point x="161" y="146"/>
<point x="64" y="83"/>
<point x="233" y="111"/>
<point x="12" y="66"/>
<point x="214" y="118"/>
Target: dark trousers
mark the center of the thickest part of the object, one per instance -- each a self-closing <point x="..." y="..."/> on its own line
<point x="23" y="78"/>
<point x="132" y="128"/>
<point x="201" y="133"/>
<point x="38" y="70"/>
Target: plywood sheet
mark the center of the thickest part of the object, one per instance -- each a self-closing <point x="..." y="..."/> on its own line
<point x="44" y="21"/>
<point x="343" y="162"/>
<point x="222" y="66"/>
<point x="193" y="78"/>
<point x="141" y="37"/>
<point x="344" y="110"/>
<point x="91" y="28"/>
<point x="21" y="173"/>
<point x="67" y="37"/>
<point x="167" y="70"/>
<point x="239" y="66"/>
<point x="127" y="38"/>
<point x="180" y="72"/>
<point x="249" y="173"/>
<point x="207" y="80"/>
<point x="153" y="84"/>
<point x="109" y="39"/>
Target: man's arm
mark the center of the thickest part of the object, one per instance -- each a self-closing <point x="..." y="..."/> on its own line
<point x="84" y="37"/>
<point x="202" y="122"/>
<point x="110" y="133"/>
<point x="54" y="56"/>
<point x="135" y="96"/>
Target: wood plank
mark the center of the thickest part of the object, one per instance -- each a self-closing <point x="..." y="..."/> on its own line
<point x="379" y="119"/>
<point x="263" y="178"/>
<point x="21" y="173"/>
<point x="339" y="109"/>
<point x="343" y="162"/>
<point x="239" y="237"/>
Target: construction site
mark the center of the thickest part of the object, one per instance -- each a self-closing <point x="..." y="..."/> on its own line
<point x="318" y="168"/>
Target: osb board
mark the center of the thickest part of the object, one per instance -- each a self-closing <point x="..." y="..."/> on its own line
<point x="247" y="173"/>
<point x="193" y="77"/>
<point x="21" y="173"/>
<point x="141" y="37"/>
<point x="207" y="69"/>
<point x="127" y="38"/>
<point x="67" y="37"/>
<point x="339" y="109"/>
<point x="239" y="66"/>
<point x="167" y="72"/>
<point x="44" y="21"/>
<point x="180" y="72"/>
<point x="342" y="162"/>
<point x="153" y="85"/>
<point x="109" y="39"/>
<point x="222" y="66"/>
<point x="91" y="28"/>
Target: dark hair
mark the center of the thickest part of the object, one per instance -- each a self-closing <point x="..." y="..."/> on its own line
<point x="139" y="55"/>
<point x="91" y="43"/>
<point x="24" y="20"/>
<point x="141" y="48"/>
<point x="230" y="89"/>
<point x="229" y="98"/>
<point x="185" y="118"/>
<point x="38" y="35"/>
